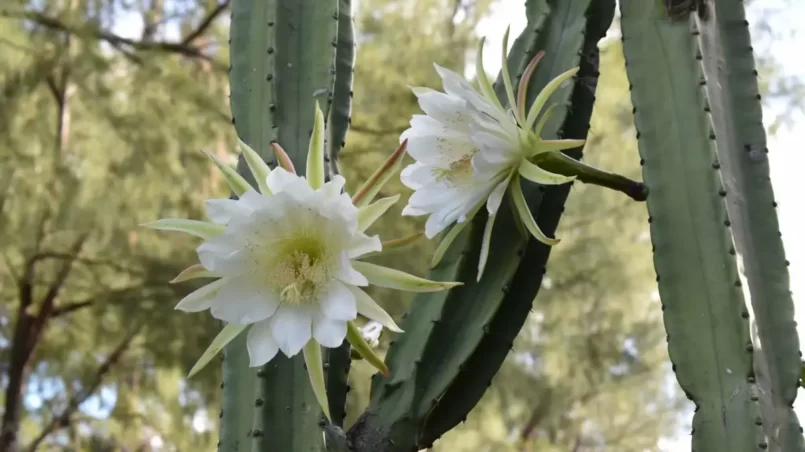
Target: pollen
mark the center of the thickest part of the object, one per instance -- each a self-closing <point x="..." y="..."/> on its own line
<point x="458" y="171"/>
<point x="302" y="268"/>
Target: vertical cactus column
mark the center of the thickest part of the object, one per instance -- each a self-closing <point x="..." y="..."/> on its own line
<point x="283" y="55"/>
<point x="693" y="216"/>
<point x="731" y="85"/>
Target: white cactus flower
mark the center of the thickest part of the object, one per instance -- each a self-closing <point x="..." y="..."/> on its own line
<point x="469" y="150"/>
<point x="286" y="259"/>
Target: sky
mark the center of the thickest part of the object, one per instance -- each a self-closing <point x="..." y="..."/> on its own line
<point x="784" y="146"/>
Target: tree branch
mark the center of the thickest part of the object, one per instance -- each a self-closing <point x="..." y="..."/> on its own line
<point x="206" y="23"/>
<point x="92" y="31"/>
<point x="63" y="419"/>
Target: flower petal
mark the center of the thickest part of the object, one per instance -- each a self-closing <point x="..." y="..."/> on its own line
<point x="222" y="254"/>
<point x="315" y="370"/>
<point x="239" y="301"/>
<point x="525" y="215"/>
<point x="202" y="298"/>
<point x="236" y="182"/>
<point x="496" y="197"/>
<point x="315" y="152"/>
<point x="338" y="303"/>
<point x="487" y="238"/>
<point x="229" y="332"/>
<point x="368" y="308"/>
<point x="545" y="94"/>
<point x="222" y="210"/>
<point x="363" y="244"/>
<point x="347" y="274"/>
<point x="252" y="200"/>
<point x="201" y="229"/>
<point x="329" y="332"/>
<point x="280" y="180"/>
<point x="538" y="175"/>
<point x="396" y="279"/>
<point x="193" y="272"/>
<point x="290" y="327"/>
<point x="261" y="345"/>
<point x="368" y="214"/>
<point x="334" y="187"/>
<point x="416" y="175"/>
<point x="257" y="166"/>
<point x="367" y="192"/>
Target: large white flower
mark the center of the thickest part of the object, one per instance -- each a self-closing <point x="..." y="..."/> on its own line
<point x="286" y="261"/>
<point x="469" y="149"/>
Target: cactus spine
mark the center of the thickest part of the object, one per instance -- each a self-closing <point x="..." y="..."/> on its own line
<point x="701" y="205"/>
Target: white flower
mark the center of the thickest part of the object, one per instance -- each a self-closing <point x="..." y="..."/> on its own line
<point x="469" y="149"/>
<point x="286" y="262"/>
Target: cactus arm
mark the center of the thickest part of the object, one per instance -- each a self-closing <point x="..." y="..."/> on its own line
<point x="238" y="386"/>
<point x="470" y="384"/>
<point x="252" y="76"/>
<point x="283" y="55"/>
<point x="731" y="84"/>
<point x="337" y="374"/>
<point x="338" y="121"/>
<point x="703" y="307"/>
<point x="305" y="46"/>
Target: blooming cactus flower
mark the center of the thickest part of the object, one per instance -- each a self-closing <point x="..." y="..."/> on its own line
<point x="286" y="259"/>
<point x="469" y="150"/>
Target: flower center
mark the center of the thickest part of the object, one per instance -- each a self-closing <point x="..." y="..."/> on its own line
<point x="302" y="267"/>
<point x="458" y="171"/>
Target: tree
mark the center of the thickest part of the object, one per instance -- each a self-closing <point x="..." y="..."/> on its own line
<point x="102" y="133"/>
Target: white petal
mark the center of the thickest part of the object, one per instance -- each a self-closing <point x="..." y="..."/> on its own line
<point x="409" y="211"/>
<point x="338" y="303"/>
<point x="253" y="200"/>
<point x="448" y="110"/>
<point x="486" y="166"/>
<point x="279" y="180"/>
<point x="222" y="254"/>
<point x="238" y="301"/>
<point x="328" y="332"/>
<point x="424" y="125"/>
<point x="456" y="85"/>
<point x="290" y="328"/>
<point x="437" y="224"/>
<point x="222" y="210"/>
<point x="362" y="244"/>
<point x="439" y="150"/>
<point x="201" y="298"/>
<point x="416" y="175"/>
<point x="434" y="196"/>
<point x="495" y="147"/>
<point x="349" y="275"/>
<point x="495" y="198"/>
<point x="262" y="347"/>
<point x="334" y="187"/>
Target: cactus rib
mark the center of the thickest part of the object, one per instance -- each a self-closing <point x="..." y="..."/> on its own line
<point x="732" y="89"/>
<point x="703" y="307"/>
<point x="238" y="385"/>
<point x="338" y="121"/>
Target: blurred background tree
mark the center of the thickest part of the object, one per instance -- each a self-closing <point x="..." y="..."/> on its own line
<point x="100" y="128"/>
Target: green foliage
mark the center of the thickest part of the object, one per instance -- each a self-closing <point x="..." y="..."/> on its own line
<point x="697" y="210"/>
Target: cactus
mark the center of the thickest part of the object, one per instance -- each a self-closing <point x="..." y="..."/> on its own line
<point x="287" y="55"/>
<point x="704" y="163"/>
